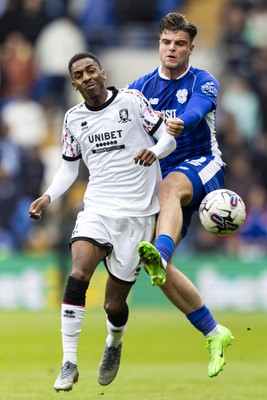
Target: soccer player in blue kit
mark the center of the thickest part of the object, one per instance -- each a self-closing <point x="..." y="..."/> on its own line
<point x="187" y="97"/>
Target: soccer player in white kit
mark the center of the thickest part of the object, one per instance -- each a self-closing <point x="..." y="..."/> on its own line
<point x="112" y="132"/>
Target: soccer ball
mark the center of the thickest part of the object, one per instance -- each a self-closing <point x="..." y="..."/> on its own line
<point x="222" y="212"/>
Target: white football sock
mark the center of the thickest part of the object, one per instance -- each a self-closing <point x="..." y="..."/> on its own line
<point x="164" y="263"/>
<point x="71" y="321"/>
<point x="115" y="334"/>
<point x="215" y="331"/>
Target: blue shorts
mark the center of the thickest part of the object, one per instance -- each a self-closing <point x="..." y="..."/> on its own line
<point x="206" y="174"/>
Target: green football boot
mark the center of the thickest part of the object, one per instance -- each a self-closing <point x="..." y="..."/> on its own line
<point x="153" y="264"/>
<point x="217" y="346"/>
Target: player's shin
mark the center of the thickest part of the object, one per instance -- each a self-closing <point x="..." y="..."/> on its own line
<point x="115" y="334"/>
<point x="72" y="313"/>
<point x="71" y="321"/>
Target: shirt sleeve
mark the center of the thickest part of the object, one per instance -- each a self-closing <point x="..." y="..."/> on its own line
<point x="71" y="149"/>
<point x="165" y="145"/>
<point x="154" y="126"/>
<point x="150" y="119"/>
<point x="63" y="179"/>
<point x="203" y="100"/>
<point x="195" y="111"/>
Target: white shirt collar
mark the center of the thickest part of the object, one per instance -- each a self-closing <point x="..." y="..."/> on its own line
<point x="165" y="77"/>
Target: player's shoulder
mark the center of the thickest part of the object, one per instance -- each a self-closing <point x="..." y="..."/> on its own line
<point x="203" y="75"/>
<point x="131" y="93"/>
<point x="128" y="91"/>
<point x="74" y="111"/>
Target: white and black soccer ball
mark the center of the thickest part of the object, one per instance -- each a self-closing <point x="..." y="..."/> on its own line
<point x="222" y="212"/>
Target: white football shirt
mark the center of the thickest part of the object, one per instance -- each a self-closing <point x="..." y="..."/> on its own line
<point x="107" y="138"/>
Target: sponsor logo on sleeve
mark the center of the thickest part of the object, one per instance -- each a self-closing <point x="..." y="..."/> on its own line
<point x="209" y="89"/>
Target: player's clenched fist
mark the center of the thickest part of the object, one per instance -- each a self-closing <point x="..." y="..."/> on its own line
<point x="38" y="205"/>
<point x="174" y="126"/>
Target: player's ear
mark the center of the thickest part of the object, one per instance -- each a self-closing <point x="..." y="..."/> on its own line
<point x="191" y="48"/>
<point x="104" y="75"/>
<point x="73" y="85"/>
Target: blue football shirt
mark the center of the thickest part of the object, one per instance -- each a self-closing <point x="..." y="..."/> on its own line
<point x="191" y="97"/>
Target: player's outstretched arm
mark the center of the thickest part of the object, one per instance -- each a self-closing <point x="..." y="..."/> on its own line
<point x="63" y="179"/>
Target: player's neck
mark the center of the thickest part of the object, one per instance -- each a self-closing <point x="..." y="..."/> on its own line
<point x="172" y="74"/>
<point x="109" y="94"/>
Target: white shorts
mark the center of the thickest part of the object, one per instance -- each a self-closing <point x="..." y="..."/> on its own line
<point x="121" y="235"/>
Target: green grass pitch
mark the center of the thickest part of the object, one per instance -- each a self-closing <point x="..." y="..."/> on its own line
<point x="163" y="358"/>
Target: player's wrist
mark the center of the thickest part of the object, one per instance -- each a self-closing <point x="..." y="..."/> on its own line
<point x="48" y="197"/>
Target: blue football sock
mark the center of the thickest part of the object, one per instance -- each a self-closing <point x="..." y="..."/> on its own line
<point x="202" y="320"/>
<point x="165" y="246"/>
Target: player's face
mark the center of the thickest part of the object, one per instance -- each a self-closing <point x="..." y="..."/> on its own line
<point x="175" y="49"/>
<point x="89" y="79"/>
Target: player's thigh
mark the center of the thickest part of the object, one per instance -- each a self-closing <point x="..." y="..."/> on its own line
<point x="176" y="184"/>
<point x="123" y="263"/>
<point x="85" y="258"/>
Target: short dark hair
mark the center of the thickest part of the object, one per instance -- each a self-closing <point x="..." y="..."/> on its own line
<point x="177" y="22"/>
<point x="80" y="56"/>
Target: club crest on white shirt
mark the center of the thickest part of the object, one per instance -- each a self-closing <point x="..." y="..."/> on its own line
<point x="182" y="95"/>
<point x="124" y="115"/>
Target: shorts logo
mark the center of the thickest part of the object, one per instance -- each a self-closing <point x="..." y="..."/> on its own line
<point x="182" y="95"/>
<point x="124" y="115"/>
<point x="209" y="89"/>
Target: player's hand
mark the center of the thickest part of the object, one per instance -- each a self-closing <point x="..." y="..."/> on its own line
<point x="145" y="157"/>
<point x="38" y="205"/>
<point x="174" y="126"/>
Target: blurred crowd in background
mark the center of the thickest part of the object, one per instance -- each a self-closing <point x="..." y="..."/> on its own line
<point x="38" y="37"/>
